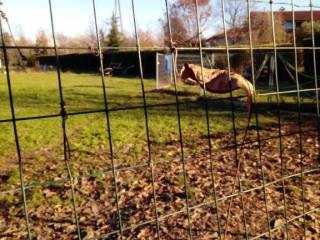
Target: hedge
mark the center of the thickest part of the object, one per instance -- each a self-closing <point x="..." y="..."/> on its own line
<point x="89" y="62"/>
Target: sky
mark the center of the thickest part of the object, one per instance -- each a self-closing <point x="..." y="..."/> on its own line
<point x="75" y="17"/>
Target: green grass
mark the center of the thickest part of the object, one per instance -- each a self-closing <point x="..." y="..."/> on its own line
<point x="37" y="94"/>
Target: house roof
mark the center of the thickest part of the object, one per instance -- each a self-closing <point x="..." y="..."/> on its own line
<point x="230" y="32"/>
<point x="285" y="15"/>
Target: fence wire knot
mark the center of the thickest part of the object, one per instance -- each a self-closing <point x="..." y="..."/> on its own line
<point x="63" y="111"/>
<point x="173" y="47"/>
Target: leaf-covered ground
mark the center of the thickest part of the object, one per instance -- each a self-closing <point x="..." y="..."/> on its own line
<point x="48" y="192"/>
<point x="50" y="208"/>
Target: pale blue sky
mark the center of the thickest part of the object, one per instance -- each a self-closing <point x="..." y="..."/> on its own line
<point x="74" y="17"/>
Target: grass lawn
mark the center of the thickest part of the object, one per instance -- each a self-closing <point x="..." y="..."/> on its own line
<point x="36" y="94"/>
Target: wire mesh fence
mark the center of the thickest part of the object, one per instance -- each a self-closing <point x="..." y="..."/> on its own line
<point x="221" y="222"/>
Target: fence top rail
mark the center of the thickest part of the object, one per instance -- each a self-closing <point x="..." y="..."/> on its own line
<point x="164" y="48"/>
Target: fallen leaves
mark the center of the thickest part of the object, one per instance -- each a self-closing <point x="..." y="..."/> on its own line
<point x="99" y="206"/>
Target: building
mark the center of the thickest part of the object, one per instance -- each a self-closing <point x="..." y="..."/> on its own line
<point x="287" y="17"/>
<point x="240" y="35"/>
<point x="235" y="36"/>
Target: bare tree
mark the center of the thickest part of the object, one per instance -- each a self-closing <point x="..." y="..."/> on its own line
<point x="146" y="38"/>
<point x="184" y="22"/>
<point x="187" y="11"/>
<point x="235" y="15"/>
<point x="235" y="12"/>
<point x="16" y="55"/>
<point x="63" y="40"/>
<point x="42" y="40"/>
<point x="262" y="28"/>
<point x="22" y="40"/>
<point x="89" y="38"/>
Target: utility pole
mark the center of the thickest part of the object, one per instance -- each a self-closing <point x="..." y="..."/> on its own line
<point x="117" y="13"/>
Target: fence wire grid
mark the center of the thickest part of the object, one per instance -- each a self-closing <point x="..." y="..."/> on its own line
<point x="119" y="229"/>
